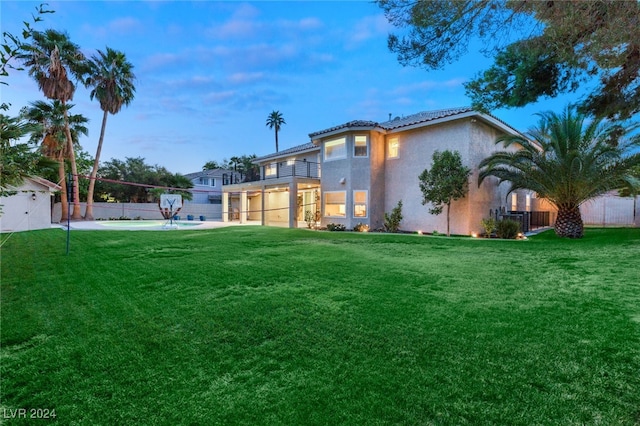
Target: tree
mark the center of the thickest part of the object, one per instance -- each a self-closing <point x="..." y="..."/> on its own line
<point x="19" y="160"/>
<point x="134" y="181"/>
<point x="587" y="38"/>
<point x="275" y="121"/>
<point x="567" y="159"/>
<point x="111" y="78"/>
<point x="51" y="57"/>
<point x="447" y="181"/>
<point x="49" y="117"/>
<point x="12" y="44"/>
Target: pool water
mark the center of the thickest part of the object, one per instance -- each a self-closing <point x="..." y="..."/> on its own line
<point x="143" y="223"/>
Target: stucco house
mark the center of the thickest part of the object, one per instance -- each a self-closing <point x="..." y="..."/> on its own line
<point x="30" y="207"/>
<point x="355" y="172"/>
<point x="207" y="192"/>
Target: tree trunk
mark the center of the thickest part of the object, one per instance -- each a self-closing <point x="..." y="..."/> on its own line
<point x="88" y="214"/>
<point x="77" y="212"/>
<point x="276" y="138"/>
<point x="64" y="202"/>
<point x="569" y="222"/>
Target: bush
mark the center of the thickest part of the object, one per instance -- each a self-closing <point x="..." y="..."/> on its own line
<point x="361" y="227"/>
<point x="507" y="229"/>
<point x="392" y="221"/>
<point x="311" y="218"/>
<point x="489" y="225"/>
<point x="336" y="227"/>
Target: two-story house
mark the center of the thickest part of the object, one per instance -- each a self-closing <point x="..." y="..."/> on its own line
<point x="364" y="168"/>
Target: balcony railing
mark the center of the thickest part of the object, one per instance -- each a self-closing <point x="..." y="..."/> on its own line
<point x="297" y="168"/>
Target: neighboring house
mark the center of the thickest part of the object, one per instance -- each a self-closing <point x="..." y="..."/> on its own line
<point x="30" y="208"/>
<point x="207" y="189"/>
<point x="367" y="167"/>
<point x="207" y="184"/>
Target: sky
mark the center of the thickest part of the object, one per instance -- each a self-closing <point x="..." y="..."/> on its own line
<point x="208" y="73"/>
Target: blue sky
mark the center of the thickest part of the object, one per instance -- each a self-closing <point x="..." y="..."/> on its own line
<point x="209" y="73"/>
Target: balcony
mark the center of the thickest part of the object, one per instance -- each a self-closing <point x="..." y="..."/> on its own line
<point x="278" y="170"/>
<point x="290" y="168"/>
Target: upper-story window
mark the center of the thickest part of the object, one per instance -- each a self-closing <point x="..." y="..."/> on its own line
<point x="393" y="150"/>
<point x="271" y="169"/>
<point x="207" y="181"/>
<point x="335" y="149"/>
<point x="360" y="148"/>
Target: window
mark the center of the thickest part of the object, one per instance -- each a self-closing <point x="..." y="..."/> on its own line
<point x="393" y="149"/>
<point x="207" y="181"/>
<point x="527" y="202"/>
<point x="291" y="162"/>
<point x="359" y="203"/>
<point x="271" y="169"/>
<point x="360" y="146"/>
<point x="334" y="204"/>
<point x="514" y="202"/>
<point x="335" y="149"/>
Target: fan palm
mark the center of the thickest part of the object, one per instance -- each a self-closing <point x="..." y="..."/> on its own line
<point x="18" y="160"/>
<point x="51" y="57"/>
<point x="275" y="121"/>
<point x="111" y="77"/>
<point x="49" y="117"/>
<point x="568" y="159"/>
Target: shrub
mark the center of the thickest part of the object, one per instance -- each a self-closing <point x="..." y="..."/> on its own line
<point x="361" y="227"/>
<point x="392" y="221"/>
<point x="335" y="227"/>
<point x="489" y="225"/>
<point x="310" y="217"/>
<point x="507" y="229"/>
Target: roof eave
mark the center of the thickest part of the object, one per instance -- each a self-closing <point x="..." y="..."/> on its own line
<point x="318" y="136"/>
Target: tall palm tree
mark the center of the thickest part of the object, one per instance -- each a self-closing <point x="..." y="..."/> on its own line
<point x="275" y="121"/>
<point x="111" y="77"/>
<point x="52" y="135"/>
<point x="567" y="159"/>
<point x="51" y="58"/>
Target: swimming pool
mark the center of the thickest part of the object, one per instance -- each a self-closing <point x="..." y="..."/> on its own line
<point x="144" y="224"/>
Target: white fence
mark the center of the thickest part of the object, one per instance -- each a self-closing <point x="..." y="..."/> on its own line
<point x="611" y="210"/>
<point x="144" y="211"/>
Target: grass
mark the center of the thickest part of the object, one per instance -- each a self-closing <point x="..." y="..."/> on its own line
<point x="255" y="325"/>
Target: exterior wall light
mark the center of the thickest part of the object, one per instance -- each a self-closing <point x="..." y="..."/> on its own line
<point x="33" y="196"/>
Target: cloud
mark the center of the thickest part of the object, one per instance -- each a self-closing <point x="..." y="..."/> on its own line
<point x="123" y="26"/>
<point x="246" y="77"/>
<point x="367" y="28"/>
<point x="427" y="85"/>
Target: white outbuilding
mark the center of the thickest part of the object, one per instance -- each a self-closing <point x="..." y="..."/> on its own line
<point x="29" y="208"/>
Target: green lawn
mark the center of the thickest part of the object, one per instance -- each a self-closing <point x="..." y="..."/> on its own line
<point x="255" y="325"/>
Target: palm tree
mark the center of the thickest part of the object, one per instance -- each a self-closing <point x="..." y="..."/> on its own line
<point x="275" y="121"/>
<point x="567" y="160"/>
<point x="111" y="78"/>
<point x="18" y="160"/>
<point x="52" y="135"/>
<point x="51" y="56"/>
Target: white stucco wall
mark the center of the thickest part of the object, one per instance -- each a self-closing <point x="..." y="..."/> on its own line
<point x="474" y="140"/>
<point x="21" y="212"/>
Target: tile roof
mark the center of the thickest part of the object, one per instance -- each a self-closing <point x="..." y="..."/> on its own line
<point x="292" y="150"/>
<point x="410" y="120"/>
<point x="209" y="173"/>
<point x="354" y="123"/>
<point x="423" y="117"/>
